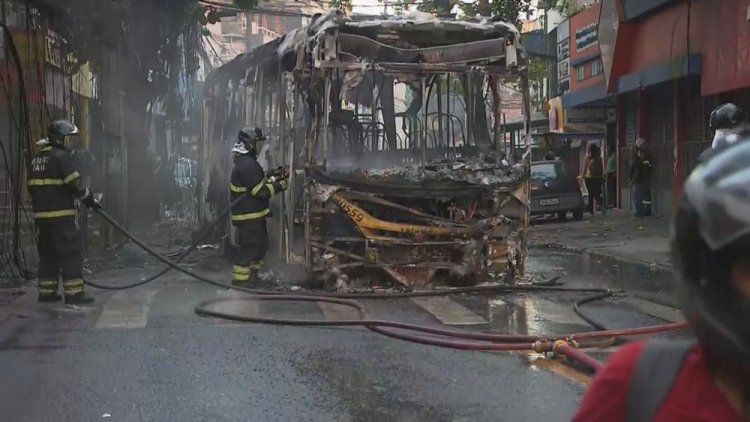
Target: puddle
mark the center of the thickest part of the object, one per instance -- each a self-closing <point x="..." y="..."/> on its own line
<point x="581" y="269"/>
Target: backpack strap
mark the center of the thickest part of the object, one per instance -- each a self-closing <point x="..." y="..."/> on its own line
<point x="655" y="371"/>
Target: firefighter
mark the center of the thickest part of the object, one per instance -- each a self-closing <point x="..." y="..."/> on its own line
<point x="706" y="378"/>
<point x="729" y="124"/>
<point x="640" y="178"/>
<point x="249" y="215"/>
<point x="55" y="184"/>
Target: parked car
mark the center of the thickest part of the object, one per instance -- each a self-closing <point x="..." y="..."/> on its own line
<point x="555" y="190"/>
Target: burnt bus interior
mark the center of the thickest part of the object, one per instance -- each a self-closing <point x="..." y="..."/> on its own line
<point x="392" y="132"/>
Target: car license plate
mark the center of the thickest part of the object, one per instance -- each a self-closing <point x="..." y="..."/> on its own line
<point x="546" y="202"/>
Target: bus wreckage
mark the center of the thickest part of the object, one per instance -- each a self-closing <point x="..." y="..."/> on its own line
<point x="392" y="132"/>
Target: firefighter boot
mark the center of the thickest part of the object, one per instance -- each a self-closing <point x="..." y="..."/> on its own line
<point x="78" y="299"/>
<point x="49" y="297"/>
<point x="74" y="292"/>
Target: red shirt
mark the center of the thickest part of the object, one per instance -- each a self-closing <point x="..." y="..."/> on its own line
<point x="694" y="395"/>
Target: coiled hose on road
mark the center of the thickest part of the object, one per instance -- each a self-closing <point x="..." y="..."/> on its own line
<point x="562" y="345"/>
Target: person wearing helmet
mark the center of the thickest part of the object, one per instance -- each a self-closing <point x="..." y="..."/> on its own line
<point x="249" y="215"/>
<point x="729" y="124"/>
<point x="706" y="377"/>
<point x="54" y="184"/>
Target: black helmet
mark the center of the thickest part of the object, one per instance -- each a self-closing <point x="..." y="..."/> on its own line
<point x="59" y="130"/>
<point x="249" y="138"/>
<point x="726" y="116"/>
<point x="711" y="232"/>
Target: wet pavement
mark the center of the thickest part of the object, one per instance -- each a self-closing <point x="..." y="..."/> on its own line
<point x="143" y="354"/>
<point x="589" y="269"/>
<point x="619" y="235"/>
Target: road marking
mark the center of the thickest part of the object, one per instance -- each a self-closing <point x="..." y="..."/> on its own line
<point x="539" y="361"/>
<point x="246" y="308"/>
<point x="448" y="311"/>
<point x="666" y="313"/>
<point x="334" y="312"/>
<point x="126" y="310"/>
<point x="547" y="309"/>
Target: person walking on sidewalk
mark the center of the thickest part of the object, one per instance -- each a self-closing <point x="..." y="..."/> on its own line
<point x="611" y="173"/>
<point x="593" y="173"/>
<point x="705" y="378"/>
<point x="640" y="178"/>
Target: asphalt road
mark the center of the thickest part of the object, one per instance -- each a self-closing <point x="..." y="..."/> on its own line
<point x="143" y="355"/>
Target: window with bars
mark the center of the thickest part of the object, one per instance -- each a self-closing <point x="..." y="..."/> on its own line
<point x="596" y="67"/>
<point x="580" y="72"/>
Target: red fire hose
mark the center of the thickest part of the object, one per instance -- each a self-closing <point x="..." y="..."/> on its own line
<point x="564" y="349"/>
<point x="455" y="339"/>
<point x="559" y="344"/>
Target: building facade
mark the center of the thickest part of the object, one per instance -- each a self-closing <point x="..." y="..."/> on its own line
<point x="663" y="65"/>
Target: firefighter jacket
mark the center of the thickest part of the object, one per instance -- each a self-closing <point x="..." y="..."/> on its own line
<point x="248" y="177"/>
<point x="54" y="184"/>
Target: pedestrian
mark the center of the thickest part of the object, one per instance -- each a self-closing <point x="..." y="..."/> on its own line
<point x="611" y="173"/>
<point x="706" y="377"/>
<point x="54" y="184"/>
<point x="729" y="123"/>
<point x="593" y="176"/>
<point x="249" y="215"/>
<point x="640" y="178"/>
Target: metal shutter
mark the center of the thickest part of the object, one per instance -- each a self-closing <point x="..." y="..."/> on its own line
<point x="697" y="139"/>
<point x="631" y="113"/>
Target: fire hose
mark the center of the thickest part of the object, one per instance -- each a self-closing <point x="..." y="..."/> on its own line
<point x="565" y="345"/>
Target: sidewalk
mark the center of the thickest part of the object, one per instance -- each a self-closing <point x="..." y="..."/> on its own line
<point x="617" y="235"/>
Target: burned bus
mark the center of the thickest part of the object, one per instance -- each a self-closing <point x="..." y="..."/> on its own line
<point x="392" y="131"/>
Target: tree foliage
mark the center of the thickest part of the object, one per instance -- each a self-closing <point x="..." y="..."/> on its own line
<point x="507" y="10"/>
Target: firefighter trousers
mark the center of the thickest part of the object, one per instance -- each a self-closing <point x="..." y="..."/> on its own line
<point x="252" y="246"/>
<point x="60" y="248"/>
<point x="642" y="199"/>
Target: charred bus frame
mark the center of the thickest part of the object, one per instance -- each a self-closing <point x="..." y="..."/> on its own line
<point x="442" y="196"/>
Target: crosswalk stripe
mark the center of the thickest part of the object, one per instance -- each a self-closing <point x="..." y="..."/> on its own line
<point x="334" y="312"/>
<point x="126" y="309"/>
<point x="654" y="309"/>
<point x="547" y="309"/>
<point x="448" y="311"/>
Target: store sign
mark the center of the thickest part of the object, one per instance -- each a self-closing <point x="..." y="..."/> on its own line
<point x="563" y="31"/>
<point x="577" y="116"/>
<point x="564" y="85"/>
<point x="563" y="69"/>
<point x="563" y="57"/>
<point x="587" y="36"/>
<point x="563" y="49"/>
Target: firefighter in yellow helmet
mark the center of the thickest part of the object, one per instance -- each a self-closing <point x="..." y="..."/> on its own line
<point x="249" y="215"/>
<point x="55" y="184"/>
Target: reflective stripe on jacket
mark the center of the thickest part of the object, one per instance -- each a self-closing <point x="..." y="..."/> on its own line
<point x="248" y="178"/>
<point x="54" y="184"/>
